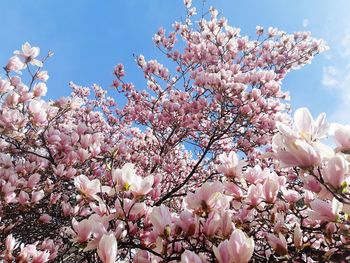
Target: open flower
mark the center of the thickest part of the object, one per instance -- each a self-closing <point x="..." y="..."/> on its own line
<point x="293" y="152"/>
<point x="82" y="230"/>
<point x="305" y="127"/>
<point x="29" y="54"/>
<point x="87" y="187"/>
<point x="127" y="179"/>
<point x="15" y="64"/>
<point x="323" y="210"/>
<point x="207" y="197"/>
<point x="230" y="165"/>
<point x="299" y="146"/>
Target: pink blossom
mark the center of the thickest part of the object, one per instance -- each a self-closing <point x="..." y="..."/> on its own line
<point x="37" y="196"/>
<point x="87" y="187"/>
<point x="83" y="229"/>
<point x="207" y="197"/>
<point x="298" y="236"/>
<point x="10" y="243"/>
<point x="12" y="99"/>
<point x="40" y="89"/>
<point x="271" y="187"/>
<point x="42" y="75"/>
<point x="41" y="257"/>
<point x="230" y="166"/>
<point x="323" y="210"/>
<point x="295" y="152"/>
<point x="33" y="180"/>
<point x="45" y="218"/>
<point x="335" y="171"/>
<point x="342" y="136"/>
<point x="5" y="86"/>
<point x="242" y="247"/>
<point x="23" y="197"/>
<point x="142" y="256"/>
<point x="107" y="248"/>
<point x="190" y="257"/>
<point x="212" y="224"/>
<point x="279" y="244"/>
<point x="308" y="128"/>
<point x="188" y="223"/>
<point x="253" y="174"/>
<point x="161" y="220"/>
<point x="128" y="180"/>
<point x="15" y="64"/>
<point x="254" y="195"/>
<point x="297" y="146"/>
<point x="222" y="252"/>
<point x="29" y="53"/>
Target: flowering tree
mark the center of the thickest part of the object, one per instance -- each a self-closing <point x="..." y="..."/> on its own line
<point x="204" y="165"/>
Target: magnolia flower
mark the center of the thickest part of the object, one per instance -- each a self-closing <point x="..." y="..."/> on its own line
<point x="222" y="253"/>
<point x="208" y="197"/>
<point x="142" y="256"/>
<point x="160" y="218"/>
<point x="38" y="111"/>
<point x="230" y="165"/>
<point x="37" y="196"/>
<point x="254" y="194"/>
<point x="107" y="248"/>
<point x="10" y="243"/>
<point x="188" y="223"/>
<point x="323" y="210"/>
<point x="82" y="229"/>
<point x="271" y="187"/>
<point x="15" y="64"/>
<point x="12" y="99"/>
<point x="87" y="187"/>
<point x="305" y="127"/>
<point x="45" y="218"/>
<point x="279" y="244"/>
<point x="23" y="198"/>
<point x="298" y="236"/>
<point x="293" y="152"/>
<point x="212" y="224"/>
<point x="253" y="174"/>
<point x="33" y="180"/>
<point x="238" y="249"/>
<point x="299" y="146"/>
<point x="5" y="86"/>
<point x="190" y="257"/>
<point x="41" y="256"/>
<point x="242" y="247"/>
<point x="335" y="170"/>
<point x="128" y="180"/>
<point x="342" y="136"/>
<point x="308" y="128"/>
<point x="29" y="53"/>
<point x="42" y="75"/>
<point x="40" y="89"/>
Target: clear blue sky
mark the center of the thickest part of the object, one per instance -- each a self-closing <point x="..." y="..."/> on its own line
<point x="89" y="37"/>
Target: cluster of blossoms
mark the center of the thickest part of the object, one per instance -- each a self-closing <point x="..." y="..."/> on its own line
<point x="205" y="165"/>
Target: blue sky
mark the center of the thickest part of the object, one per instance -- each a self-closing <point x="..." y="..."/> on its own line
<point x="90" y="37"/>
